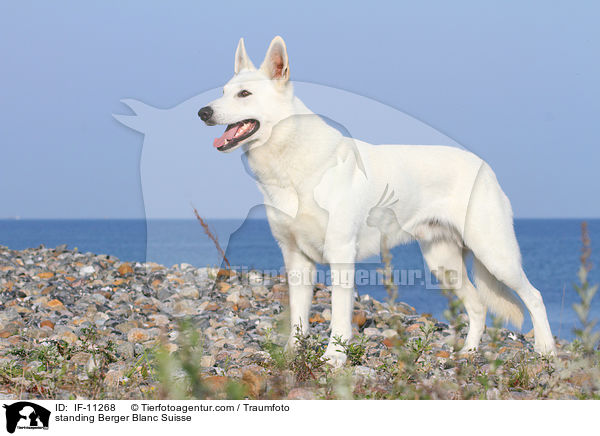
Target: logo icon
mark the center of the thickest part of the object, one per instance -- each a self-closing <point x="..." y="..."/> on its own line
<point x="26" y="415"/>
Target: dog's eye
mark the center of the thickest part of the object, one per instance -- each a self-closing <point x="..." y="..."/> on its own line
<point x="244" y="93"/>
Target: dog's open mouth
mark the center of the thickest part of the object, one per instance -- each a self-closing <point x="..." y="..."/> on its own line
<point x="236" y="133"/>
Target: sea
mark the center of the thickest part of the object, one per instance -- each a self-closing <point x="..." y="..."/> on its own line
<point x="551" y="250"/>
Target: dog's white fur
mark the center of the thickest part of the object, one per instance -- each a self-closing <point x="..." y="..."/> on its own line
<point x="323" y="193"/>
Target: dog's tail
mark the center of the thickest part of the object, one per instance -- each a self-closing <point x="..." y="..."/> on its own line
<point x="498" y="298"/>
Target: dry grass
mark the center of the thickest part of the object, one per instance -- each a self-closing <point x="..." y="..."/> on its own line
<point x="212" y="236"/>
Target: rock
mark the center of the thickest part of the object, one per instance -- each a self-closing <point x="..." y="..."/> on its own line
<point x="264" y="325"/>
<point x="216" y="383"/>
<point x="81" y="358"/>
<point x="301" y="394"/>
<point x="493" y="394"/>
<point x="171" y="347"/>
<point x="223" y="286"/>
<point x="125" y="269"/>
<point x="60" y="249"/>
<point x="87" y="270"/>
<point x="254" y="382"/>
<point x="35" y="333"/>
<point x="235" y="373"/>
<point x="184" y="307"/>
<point x="233" y="297"/>
<point x="189" y="292"/>
<point x="405" y="309"/>
<point x="244" y="303"/>
<point x="211" y="307"/>
<point x="126" y="326"/>
<point x="322" y="295"/>
<point x="138" y="335"/>
<point x="365" y="372"/>
<point x="260" y="291"/>
<point x="371" y="331"/>
<point x="55" y="304"/>
<point x="47" y="323"/>
<point x="519" y="395"/>
<point x="159" y="319"/>
<point x="125" y="350"/>
<point x="389" y="333"/>
<point x="207" y="361"/>
<point x="413" y="328"/>
<point x="114" y="376"/>
<point x="9" y="315"/>
<point x="326" y="314"/>
<point x="46" y="275"/>
<point x="359" y="318"/>
<point x="68" y="336"/>
<point x="225" y="274"/>
<point x="582" y="379"/>
<point x="316" y="318"/>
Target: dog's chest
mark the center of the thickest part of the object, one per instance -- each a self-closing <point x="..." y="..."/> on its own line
<point x="294" y="217"/>
<point x="284" y="179"/>
<point x="304" y="232"/>
<point x="289" y="181"/>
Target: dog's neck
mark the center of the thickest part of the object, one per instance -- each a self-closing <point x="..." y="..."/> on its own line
<point x="300" y="144"/>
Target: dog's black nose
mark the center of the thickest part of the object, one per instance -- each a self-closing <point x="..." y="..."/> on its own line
<point x="205" y="113"/>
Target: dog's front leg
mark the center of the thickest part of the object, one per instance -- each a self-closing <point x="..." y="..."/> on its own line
<point x="301" y="277"/>
<point x="342" y="301"/>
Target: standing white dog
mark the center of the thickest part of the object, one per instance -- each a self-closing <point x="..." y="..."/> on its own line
<point x="331" y="199"/>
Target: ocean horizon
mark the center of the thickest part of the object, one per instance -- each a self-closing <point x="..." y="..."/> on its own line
<point x="550" y="248"/>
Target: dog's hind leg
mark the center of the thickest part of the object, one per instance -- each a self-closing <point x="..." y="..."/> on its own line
<point x="446" y="262"/>
<point x="301" y="276"/>
<point x="544" y="342"/>
<point x="507" y="270"/>
<point x="489" y="234"/>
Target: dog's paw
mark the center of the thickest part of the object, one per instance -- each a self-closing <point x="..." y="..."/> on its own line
<point x="290" y="346"/>
<point x="334" y="357"/>
<point x="466" y="351"/>
<point x="545" y="349"/>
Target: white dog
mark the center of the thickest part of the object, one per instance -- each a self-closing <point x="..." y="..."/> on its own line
<point x="332" y="199"/>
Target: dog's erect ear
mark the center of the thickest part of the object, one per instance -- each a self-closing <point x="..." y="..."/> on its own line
<point x="242" y="61"/>
<point x="276" y="64"/>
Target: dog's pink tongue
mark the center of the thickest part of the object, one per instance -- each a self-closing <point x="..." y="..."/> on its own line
<point x="228" y="135"/>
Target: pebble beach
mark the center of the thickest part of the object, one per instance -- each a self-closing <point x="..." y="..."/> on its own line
<point x="54" y="297"/>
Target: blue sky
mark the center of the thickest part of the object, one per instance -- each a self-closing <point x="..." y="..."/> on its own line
<point x="517" y="83"/>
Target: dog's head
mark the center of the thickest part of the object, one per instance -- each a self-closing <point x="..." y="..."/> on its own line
<point x="254" y="100"/>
